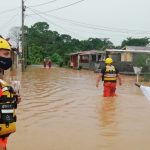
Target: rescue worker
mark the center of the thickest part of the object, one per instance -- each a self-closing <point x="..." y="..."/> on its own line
<point x="8" y="100"/>
<point x="44" y="63"/>
<point x="49" y="63"/>
<point x="109" y="74"/>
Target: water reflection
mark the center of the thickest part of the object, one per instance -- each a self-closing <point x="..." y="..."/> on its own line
<point x="107" y="113"/>
<point x="63" y="110"/>
<point x="108" y="118"/>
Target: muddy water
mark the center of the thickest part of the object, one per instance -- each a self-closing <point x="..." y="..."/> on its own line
<point x="62" y="110"/>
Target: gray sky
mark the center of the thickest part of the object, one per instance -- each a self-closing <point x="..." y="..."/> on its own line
<point x="114" y="19"/>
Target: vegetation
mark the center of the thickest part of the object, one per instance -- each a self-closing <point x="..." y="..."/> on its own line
<point x="143" y="60"/>
<point x="41" y="42"/>
<point x="57" y="59"/>
<point x="140" y="60"/>
<point x="135" y="42"/>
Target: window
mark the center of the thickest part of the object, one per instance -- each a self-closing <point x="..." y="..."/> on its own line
<point x="93" y="58"/>
<point x="84" y="59"/>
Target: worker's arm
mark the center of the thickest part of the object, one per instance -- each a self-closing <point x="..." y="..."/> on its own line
<point x="18" y="98"/>
<point x="98" y="79"/>
<point x="119" y="78"/>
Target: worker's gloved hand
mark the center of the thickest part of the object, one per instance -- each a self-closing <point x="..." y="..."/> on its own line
<point x="137" y="84"/>
<point x="19" y="99"/>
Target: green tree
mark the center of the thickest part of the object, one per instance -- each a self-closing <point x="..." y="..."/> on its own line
<point x="140" y="60"/>
<point x="42" y="42"/>
<point x="56" y="58"/>
<point x="135" y="42"/>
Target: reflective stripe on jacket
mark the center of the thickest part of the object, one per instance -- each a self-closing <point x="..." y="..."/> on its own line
<point x="7" y="109"/>
<point x="110" y="73"/>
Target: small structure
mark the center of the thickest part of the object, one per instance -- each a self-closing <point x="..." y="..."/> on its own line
<point x="137" y="71"/>
<point x="15" y="63"/>
<point x="15" y="56"/>
<point x="74" y="60"/>
<point x="87" y="59"/>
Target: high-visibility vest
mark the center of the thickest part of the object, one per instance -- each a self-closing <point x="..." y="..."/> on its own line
<point x="110" y="73"/>
<point x="8" y="105"/>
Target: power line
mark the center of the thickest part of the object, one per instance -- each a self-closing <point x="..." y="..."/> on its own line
<point x="61" y="7"/>
<point x="10" y="21"/>
<point x="8" y="10"/>
<point x="54" y="23"/>
<point x="71" y="28"/>
<point x="91" y="26"/>
<point x="43" y="3"/>
<point x="96" y="27"/>
<point x="67" y="29"/>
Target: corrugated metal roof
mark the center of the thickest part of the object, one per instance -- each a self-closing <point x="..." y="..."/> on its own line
<point x="136" y="48"/>
<point x="90" y="52"/>
<point x="130" y="51"/>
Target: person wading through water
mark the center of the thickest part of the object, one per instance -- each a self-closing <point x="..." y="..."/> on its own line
<point x="8" y="98"/>
<point x="109" y="74"/>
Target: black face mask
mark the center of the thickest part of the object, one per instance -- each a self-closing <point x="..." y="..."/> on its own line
<point x="5" y="63"/>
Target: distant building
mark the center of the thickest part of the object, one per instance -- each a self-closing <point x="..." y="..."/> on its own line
<point x="124" y="58"/>
<point x="87" y="59"/>
<point x="94" y="59"/>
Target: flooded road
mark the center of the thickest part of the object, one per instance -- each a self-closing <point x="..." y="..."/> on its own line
<point x="63" y="110"/>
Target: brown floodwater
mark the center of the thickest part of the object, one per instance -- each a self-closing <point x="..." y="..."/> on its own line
<point x="61" y="109"/>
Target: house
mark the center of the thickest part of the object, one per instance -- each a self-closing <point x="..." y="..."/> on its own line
<point x="87" y="59"/>
<point x="124" y="58"/>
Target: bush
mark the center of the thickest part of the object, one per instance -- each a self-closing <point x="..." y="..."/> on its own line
<point x="56" y="58"/>
<point x="140" y="60"/>
<point x="147" y="77"/>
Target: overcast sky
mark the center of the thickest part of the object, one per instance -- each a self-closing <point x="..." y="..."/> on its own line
<point x="113" y="19"/>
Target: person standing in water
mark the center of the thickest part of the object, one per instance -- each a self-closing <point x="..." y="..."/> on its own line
<point x="109" y="74"/>
<point x="44" y="63"/>
<point x="49" y="63"/>
<point x="8" y="100"/>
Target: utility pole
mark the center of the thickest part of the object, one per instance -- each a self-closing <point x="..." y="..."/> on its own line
<point x="22" y="37"/>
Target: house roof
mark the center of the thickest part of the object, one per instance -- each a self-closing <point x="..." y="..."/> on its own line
<point x="76" y="53"/>
<point x="130" y="51"/>
<point x="136" y="48"/>
<point x="90" y="52"/>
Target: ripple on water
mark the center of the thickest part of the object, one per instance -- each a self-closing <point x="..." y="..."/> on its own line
<point x="64" y="107"/>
